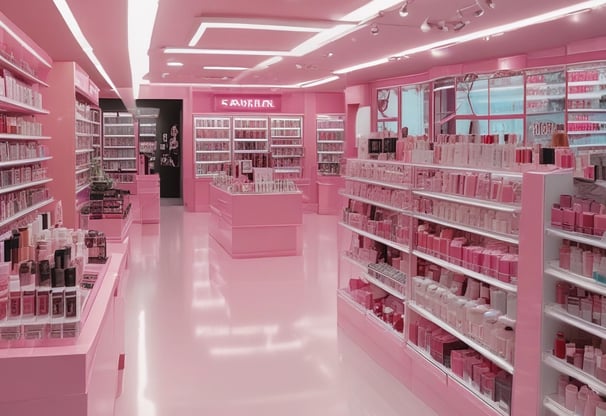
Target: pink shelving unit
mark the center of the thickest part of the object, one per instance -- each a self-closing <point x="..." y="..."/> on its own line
<point x="414" y="360"/>
<point x="78" y="379"/>
<point x="256" y="224"/>
<point x="75" y="134"/>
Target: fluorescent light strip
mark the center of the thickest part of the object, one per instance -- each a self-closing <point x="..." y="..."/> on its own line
<point x="174" y="63"/>
<point x="369" y="10"/>
<point x="319" y="82"/>
<point x="216" y="85"/>
<point x="519" y="24"/>
<point x="24" y="44"/>
<point x="141" y="20"/>
<point x="225" y="68"/>
<point x="269" y="62"/>
<point x="230" y="24"/>
<point x="190" y="51"/>
<point x="322" y="38"/>
<point x="71" y="22"/>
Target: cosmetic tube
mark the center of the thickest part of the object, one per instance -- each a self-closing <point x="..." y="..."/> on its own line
<point x="571" y="397"/>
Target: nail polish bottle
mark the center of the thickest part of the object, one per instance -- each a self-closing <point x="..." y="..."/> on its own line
<point x="58" y="293"/>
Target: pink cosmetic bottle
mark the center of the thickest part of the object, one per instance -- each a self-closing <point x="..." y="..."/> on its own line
<point x="571" y="397"/>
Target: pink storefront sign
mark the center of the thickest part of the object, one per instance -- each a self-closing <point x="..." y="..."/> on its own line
<point x="249" y="103"/>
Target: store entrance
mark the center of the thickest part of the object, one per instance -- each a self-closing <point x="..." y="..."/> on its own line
<point x="169" y="142"/>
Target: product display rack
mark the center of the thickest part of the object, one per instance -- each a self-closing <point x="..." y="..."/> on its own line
<point x="88" y="142"/>
<point x="251" y="141"/>
<point x="586" y="99"/>
<point x="286" y="147"/>
<point x="212" y="145"/>
<point x="330" y="140"/>
<point x="119" y="146"/>
<point x="404" y="202"/>
<point x="24" y="154"/>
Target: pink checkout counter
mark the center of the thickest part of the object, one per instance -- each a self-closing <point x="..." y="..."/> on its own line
<point x="249" y="225"/>
<point x="80" y="376"/>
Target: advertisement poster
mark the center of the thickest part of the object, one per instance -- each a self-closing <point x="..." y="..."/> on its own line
<point x="540" y="128"/>
<point x="170" y="148"/>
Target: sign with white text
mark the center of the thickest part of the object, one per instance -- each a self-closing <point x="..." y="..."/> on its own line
<point x="249" y="103"/>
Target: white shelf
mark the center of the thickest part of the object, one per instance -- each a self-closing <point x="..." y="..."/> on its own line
<point x="403" y="187"/>
<point x="578" y="237"/>
<point x="586" y="110"/>
<point x="545" y="97"/>
<point x="557" y="312"/>
<point x="211" y="128"/>
<point x="292" y="169"/>
<point x="8" y="136"/>
<point x="530" y="85"/>
<point x="586" y="132"/>
<point x="452" y="376"/>
<point x="480" y="231"/>
<point x="10" y="105"/>
<point x="119" y="158"/>
<point x="587" y="95"/>
<point x="250" y="140"/>
<point x="392" y="244"/>
<point x="82" y="188"/>
<point x="212" y="139"/>
<point x="506" y="173"/>
<point x="500" y="361"/>
<point x="82" y="151"/>
<point x="119" y="135"/>
<point x="251" y="151"/>
<point x="331" y="129"/>
<point x="85" y="120"/>
<point x="285" y="156"/>
<point x="530" y="112"/>
<point x="375" y="281"/>
<point x="586" y="121"/>
<point x="147" y="134"/>
<point x="21" y="72"/>
<point x="22" y="162"/>
<point x="212" y="151"/>
<point x="82" y="170"/>
<point x="25" y="212"/>
<point x="586" y="83"/>
<point x="251" y="128"/>
<point x="286" y="137"/>
<point x="584" y="282"/>
<point x="330" y="152"/>
<point x="375" y="203"/>
<point x="13" y="188"/>
<point x="497" y="206"/>
<point x="210" y="162"/>
<point x="574" y="372"/>
<point x="462" y="270"/>
<point x="118" y="125"/>
<point x="331" y="141"/>
<point x="552" y="405"/>
<point x="295" y="146"/>
<point x="118" y="147"/>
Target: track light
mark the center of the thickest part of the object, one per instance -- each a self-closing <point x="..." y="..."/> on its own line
<point x="491" y="4"/>
<point x="425" y="26"/>
<point x="404" y="9"/>
<point x="480" y="12"/>
<point x="459" y="25"/>
<point x="374" y="30"/>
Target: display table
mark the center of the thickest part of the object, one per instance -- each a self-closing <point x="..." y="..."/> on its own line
<point x="257" y="224"/>
<point x="115" y="229"/>
<point x="328" y="194"/>
<point x="148" y="195"/>
<point x="77" y="379"/>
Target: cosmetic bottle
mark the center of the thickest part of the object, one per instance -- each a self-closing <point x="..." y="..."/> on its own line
<point x="600" y="409"/>
<point x="582" y="397"/>
<point x="589" y="362"/>
<point x="503" y="383"/>
<point x="14" y="310"/>
<point x="562" y="383"/>
<point x="560" y="346"/>
<point x="571" y="395"/>
<point x="58" y="293"/>
<point x="72" y="295"/>
<point x="592" y="401"/>
<point x="43" y="290"/>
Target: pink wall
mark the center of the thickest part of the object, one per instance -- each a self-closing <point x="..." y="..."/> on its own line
<point x="196" y="101"/>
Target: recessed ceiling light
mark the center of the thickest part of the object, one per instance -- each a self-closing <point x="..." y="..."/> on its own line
<point x="225" y="68"/>
<point x="174" y="63"/>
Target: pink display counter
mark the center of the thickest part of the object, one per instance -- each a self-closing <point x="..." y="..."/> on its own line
<point x="328" y="194"/>
<point x="148" y="196"/>
<point x="77" y="379"/>
<point x="257" y="224"/>
<point x="115" y="229"/>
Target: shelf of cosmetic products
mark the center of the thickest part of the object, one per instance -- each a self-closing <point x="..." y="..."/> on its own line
<point x="330" y="144"/>
<point x="119" y="142"/>
<point x="236" y="186"/>
<point x="462" y="364"/>
<point x="574" y="398"/>
<point x="387" y="277"/>
<point x="212" y="144"/>
<point x="546" y="93"/>
<point x="46" y="292"/>
<point x="88" y="130"/>
<point x="586" y="102"/>
<point x="287" y="147"/>
<point x="17" y="96"/>
<point x="383" y="226"/>
<point x="486" y="326"/>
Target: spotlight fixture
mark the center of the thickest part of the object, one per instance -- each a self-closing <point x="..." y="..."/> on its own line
<point x="425" y="27"/>
<point x="404" y="9"/>
<point x="374" y="30"/>
<point x="459" y="25"/>
<point x="491" y="4"/>
<point x="480" y="12"/>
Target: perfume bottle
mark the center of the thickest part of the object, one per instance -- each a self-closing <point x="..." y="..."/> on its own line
<point x="72" y="296"/>
<point x="58" y="293"/>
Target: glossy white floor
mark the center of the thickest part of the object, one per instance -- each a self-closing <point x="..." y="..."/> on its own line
<point x="208" y="335"/>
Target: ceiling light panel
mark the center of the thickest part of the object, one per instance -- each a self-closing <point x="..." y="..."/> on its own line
<point x="225" y="68"/>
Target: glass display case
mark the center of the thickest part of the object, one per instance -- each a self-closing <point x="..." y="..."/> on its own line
<point x="545" y="105"/>
<point x="415" y="109"/>
<point x="286" y="147"/>
<point x="212" y="145"/>
<point x="330" y="136"/>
